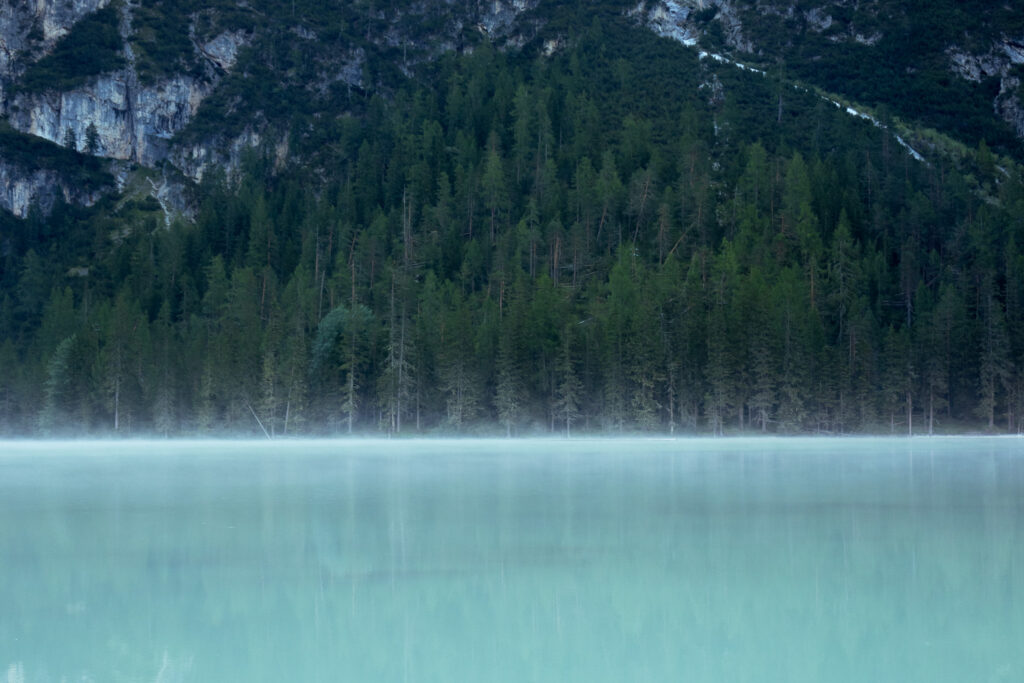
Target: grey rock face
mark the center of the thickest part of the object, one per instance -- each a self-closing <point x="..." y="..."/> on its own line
<point x="57" y="16"/>
<point x="498" y="15"/>
<point x="729" y="17"/>
<point x="136" y="122"/>
<point x="223" y="50"/>
<point x="976" y="67"/>
<point x="669" y="19"/>
<point x="51" y="19"/>
<point x="675" y="19"/>
<point x="818" y="19"/>
<point x="998" y="62"/>
<point x="195" y="160"/>
<point x="133" y="123"/>
<point x="21" y="188"/>
<point x="1014" y="50"/>
<point x="1009" y="106"/>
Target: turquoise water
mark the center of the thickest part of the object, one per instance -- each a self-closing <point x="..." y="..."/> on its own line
<point x="733" y="560"/>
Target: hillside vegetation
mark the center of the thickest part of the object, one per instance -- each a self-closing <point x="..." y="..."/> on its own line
<point x="892" y="54"/>
<point x="91" y="48"/>
<point x="617" y="238"/>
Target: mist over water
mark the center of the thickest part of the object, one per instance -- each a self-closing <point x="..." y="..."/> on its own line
<point x="698" y="560"/>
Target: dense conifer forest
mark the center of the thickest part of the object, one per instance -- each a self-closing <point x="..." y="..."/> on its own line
<point x="616" y="238"/>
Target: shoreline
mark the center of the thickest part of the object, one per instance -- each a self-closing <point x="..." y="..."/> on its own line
<point x="455" y="439"/>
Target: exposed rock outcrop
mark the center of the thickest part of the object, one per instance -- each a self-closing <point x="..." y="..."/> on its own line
<point x="132" y="122"/>
<point x="1009" y="105"/>
<point x="133" y="119"/>
<point x="499" y="15"/>
<point x="998" y="62"/>
<point x="222" y="51"/>
<point x="22" y="188"/>
<point x="687" y="21"/>
<point x="669" y="19"/>
<point x="684" y="20"/>
<point x="196" y="159"/>
<point x="33" y="27"/>
<point x="975" y="67"/>
<point x="122" y="117"/>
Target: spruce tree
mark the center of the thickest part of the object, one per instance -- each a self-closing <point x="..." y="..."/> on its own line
<point x="567" y="394"/>
<point x="69" y="139"/>
<point x="92" y="139"/>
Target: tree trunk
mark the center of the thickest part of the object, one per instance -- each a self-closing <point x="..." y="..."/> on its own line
<point x="931" y="411"/>
<point x="910" y="414"/>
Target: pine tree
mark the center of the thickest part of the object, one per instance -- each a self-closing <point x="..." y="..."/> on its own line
<point x="9" y="394"/>
<point x="240" y="341"/>
<point x="206" y="410"/>
<point x="58" y="380"/>
<point x="758" y="321"/>
<point x="397" y="380"/>
<point x="644" y="369"/>
<point x="610" y="190"/>
<point x="508" y="391"/>
<point x="493" y="186"/>
<point x="459" y="383"/>
<point x="898" y="377"/>
<point x="615" y="315"/>
<point x="522" y="117"/>
<point x="121" y="351"/>
<point x="1014" y="300"/>
<point x="795" y="328"/>
<point x="296" y="385"/>
<point x="69" y="139"/>
<point x="351" y="365"/>
<point x="567" y="395"/>
<point x="994" y="363"/>
<point x="723" y="371"/>
<point x="164" y="403"/>
<point x="92" y="139"/>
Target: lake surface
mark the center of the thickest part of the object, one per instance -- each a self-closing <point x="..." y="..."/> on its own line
<point x="689" y="560"/>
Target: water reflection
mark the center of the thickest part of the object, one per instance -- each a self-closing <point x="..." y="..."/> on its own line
<point x="778" y="560"/>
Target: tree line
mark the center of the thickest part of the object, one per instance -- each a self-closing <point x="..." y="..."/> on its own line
<point x="618" y="239"/>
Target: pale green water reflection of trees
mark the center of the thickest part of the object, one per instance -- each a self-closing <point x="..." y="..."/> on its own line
<point x="778" y="560"/>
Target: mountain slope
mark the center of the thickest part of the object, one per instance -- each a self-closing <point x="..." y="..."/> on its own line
<point x="140" y="73"/>
<point x="954" y="66"/>
<point x="193" y="84"/>
<point x="600" y="232"/>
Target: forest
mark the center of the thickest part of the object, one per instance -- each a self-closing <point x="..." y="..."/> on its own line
<point x="900" y="62"/>
<point x="616" y="238"/>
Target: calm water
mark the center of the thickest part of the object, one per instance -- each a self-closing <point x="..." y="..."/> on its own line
<point x="759" y="560"/>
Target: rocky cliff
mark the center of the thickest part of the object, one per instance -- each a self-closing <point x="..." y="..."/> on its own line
<point x="119" y="115"/>
<point x="21" y="188"/>
<point x="29" y="29"/>
<point x="196" y="83"/>
<point x="137" y="112"/>
<point x="132" y="122"/>
<point x="1005" y="61"/>
<point x="35" y="171"/>
<point x="908" y="51"/>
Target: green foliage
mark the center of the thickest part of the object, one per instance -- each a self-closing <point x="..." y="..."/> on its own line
<point x="58" y="383"/>
<point x="161" y="38"/>
<point x="906" y="67"/>
<point x="522" y="244"/>
<point x="92" y="139"/>
<point x="91" y="48"/>
<point x="29" y="151"/>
